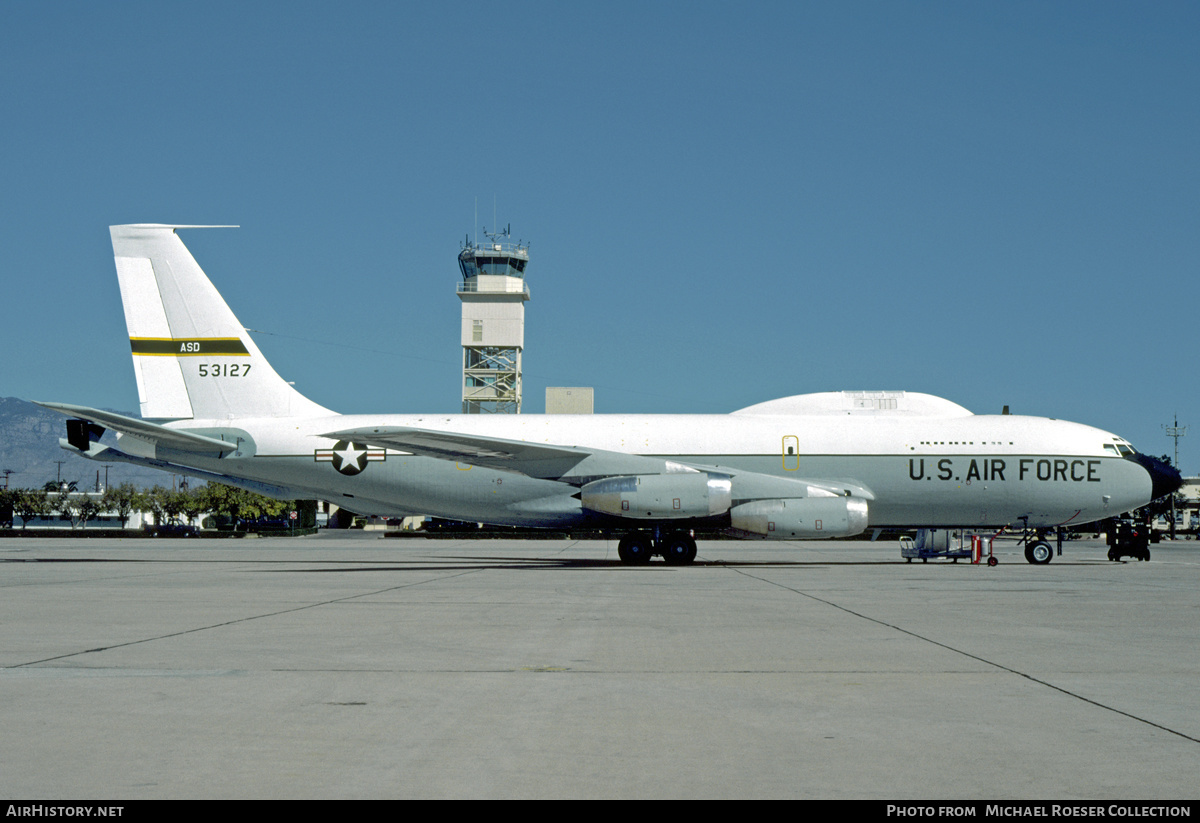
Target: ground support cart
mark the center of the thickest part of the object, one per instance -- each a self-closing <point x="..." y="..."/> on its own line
<point x="938" y="543"/>
<point x="1128" y="539"/>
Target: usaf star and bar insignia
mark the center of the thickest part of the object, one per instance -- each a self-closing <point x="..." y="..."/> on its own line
<point x="349" y="458"/>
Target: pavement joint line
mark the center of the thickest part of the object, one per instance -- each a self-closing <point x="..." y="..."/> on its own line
<point x="235" y="622"/>
<point x="983" y="660"/>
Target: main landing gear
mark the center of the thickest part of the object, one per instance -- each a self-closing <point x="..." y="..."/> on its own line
<point x="677" y="548"/>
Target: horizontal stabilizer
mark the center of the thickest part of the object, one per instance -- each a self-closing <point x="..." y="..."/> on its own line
<point x="151" y="432"/>
<point x="110" y="454"/>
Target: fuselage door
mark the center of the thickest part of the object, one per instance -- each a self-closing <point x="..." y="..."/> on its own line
<point x="791" y="453"/>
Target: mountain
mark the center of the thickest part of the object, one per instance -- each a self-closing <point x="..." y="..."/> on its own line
<point x="29" y="450"/>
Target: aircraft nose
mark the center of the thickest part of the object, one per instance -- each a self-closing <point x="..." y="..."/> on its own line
<point x="1164" y="478"/>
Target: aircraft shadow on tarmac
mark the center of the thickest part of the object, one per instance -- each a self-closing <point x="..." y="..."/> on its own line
<point x="565" y="564"/>
<point x="473" y="563"/>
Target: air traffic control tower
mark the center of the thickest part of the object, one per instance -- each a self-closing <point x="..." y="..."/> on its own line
<point x="493" y="294"/>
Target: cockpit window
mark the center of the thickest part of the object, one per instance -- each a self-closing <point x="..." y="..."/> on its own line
<point x="1120" y="448"/>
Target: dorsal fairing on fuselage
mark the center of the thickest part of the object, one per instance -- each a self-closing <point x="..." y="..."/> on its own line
<point x="887" y="403"/>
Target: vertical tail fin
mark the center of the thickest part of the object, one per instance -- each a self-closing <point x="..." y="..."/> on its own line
<point x="192" y="357"/>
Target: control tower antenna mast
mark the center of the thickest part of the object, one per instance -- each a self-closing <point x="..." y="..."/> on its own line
<point x="493" y="294"/>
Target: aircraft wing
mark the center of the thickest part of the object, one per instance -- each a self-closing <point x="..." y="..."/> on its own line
<point x="86" y="425"/>
<point x="143" y="429"/>
<point x="533" y="459"/>
<point x="578" y="465"/>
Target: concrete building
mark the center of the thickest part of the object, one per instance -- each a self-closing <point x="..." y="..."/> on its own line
<point x="573" y="400"/>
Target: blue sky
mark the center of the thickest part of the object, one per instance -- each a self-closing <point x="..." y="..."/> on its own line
<point x="998" y="203"/>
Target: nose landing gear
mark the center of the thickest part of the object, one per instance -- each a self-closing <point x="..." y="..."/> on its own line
<point x="1037" y="549"/>
<point x="1039" y="552"/>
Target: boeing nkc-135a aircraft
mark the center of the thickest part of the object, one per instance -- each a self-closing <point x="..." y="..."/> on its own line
<point x="812" y="466"/>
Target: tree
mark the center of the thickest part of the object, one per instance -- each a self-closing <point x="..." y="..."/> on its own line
<point x="78" y="507"/>
<point x="60" y="486"/>
<point x="173" y="504"/>
<point x="86" y="508"/>
<point x="30" y="503"/>
<point x="226" y="501"/>
<point x="124" y="500"/>
<point x="238" y="503"/>
<point x="195" y="503"/>
<point x="153" y="499"/>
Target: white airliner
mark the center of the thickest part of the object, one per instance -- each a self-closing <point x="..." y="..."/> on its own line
<point x="812" y="466"/>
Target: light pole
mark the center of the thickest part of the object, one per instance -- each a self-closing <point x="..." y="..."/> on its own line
<point x="1176" y="431"/>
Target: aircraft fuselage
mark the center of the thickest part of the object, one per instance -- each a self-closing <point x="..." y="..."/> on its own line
<point x="979" y="470"/>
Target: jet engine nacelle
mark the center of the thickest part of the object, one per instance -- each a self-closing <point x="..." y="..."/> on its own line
<point x="801" y="518"/>
<point x="660" y="496"/>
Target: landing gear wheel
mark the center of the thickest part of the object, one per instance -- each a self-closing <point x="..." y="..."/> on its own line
<point x="678" y="549"/>
<point x="992" y="561"/>
<point x="635" y="549"/>
<point x="1039" y="553"/>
